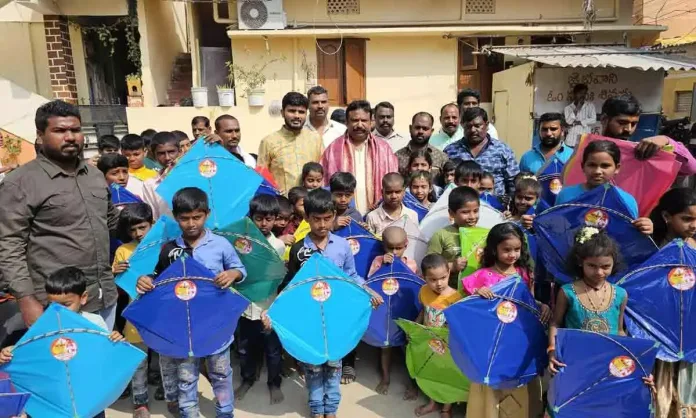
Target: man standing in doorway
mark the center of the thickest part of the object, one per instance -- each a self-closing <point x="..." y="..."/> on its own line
<point x="491" y="154"/>
<point x="451" y="131"/>
<point x="384" y="126"/>
<point x="580" y="115"/>
<point x="228" y="129"/>
<point x="468" y="98"/>
<point x="287" y="150"/>
<point x="57" y="212"/>
<point x="421" y="129"/>
<point x="551" y="135"/>
<point x="369" y="158"/>
<point x="318" y="120"/>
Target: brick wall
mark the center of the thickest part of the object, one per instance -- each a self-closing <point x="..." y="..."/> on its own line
<point x="60" y="59"/>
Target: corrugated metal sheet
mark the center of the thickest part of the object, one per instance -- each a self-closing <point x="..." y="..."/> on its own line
<point x="598" y="56"/>
<point x="672" y="42"/>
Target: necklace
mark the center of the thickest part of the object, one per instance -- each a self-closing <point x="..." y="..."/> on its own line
<point x="504" y="272"/>
<point x="602" y="289"/>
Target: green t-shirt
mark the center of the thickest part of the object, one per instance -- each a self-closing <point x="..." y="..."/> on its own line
<point x="447" y="243"/>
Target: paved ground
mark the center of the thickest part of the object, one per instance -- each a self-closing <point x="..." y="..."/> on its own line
<point x="359" y="398"/>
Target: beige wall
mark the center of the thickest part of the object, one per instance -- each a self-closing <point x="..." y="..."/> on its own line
<point x="78" y="51"/>
<point x="92" y="7"/>
<point x="25" y="62"/>
<point x="672" y="13"/>
<point x="163" y="36"/>
<point x="676" y="82"/>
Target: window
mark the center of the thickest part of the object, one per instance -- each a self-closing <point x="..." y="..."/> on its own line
<point x="475" y="7"/>
<point x="341" y="69"/>
<point x="343" y="7"/>
<point x="683" y="101"/>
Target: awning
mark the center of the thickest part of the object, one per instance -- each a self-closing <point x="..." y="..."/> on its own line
<point x="597" y="56"/>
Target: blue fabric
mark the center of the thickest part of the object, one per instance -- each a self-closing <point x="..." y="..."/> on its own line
<point x="399" y="288"/>
<point x="549" y="176"/>
<point x="186" y="315"/>
<point x="596" y="382"/>
<point x="70" y="366"/>
<point x="601" y="207"/>
<point x="412" y="203"/>
<point x="120" y="196"/>
<point x="144" y="258"/>
<point x="266" y="188"/>
<point x="362" y="244"/>
<point x="572" y="193"/>
<point x="340" y="251"/>
<point x="662" y="303"/>
<point x="213" y="169"/>
<point x="534" y="159"/>
<point x="216" y="253"/>
<point x="11" y="402"/>
<point x="492" y="201"/>
<point x="499" y="342"/>
<point x="579" y="317"/>
<point x="322" y="313"/>
<point x="496" y="157"/>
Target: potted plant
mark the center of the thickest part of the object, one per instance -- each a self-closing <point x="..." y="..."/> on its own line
<point x="310" y="70"/>
<point x="252" y="79"/>
<point x="199" y="96"/>
<point x="225" y="95"/>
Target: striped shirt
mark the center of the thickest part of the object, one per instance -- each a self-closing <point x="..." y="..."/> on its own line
<point x="587" y="116"/>
<point x="284" y="153"/>
<point x="495" y="157"/>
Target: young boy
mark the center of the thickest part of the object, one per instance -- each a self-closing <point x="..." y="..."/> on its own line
<point x="487" y="183"/>
<point x="135" y="222"/>
<point x="149" y="162"/>
<point x="323" y="382"/>
<point x="184" y="141"/>
<point x="133" y="148"/>
<point x="392" y="208"/>
<point x="253" y="339"/>
<point x="282" y="220"/>
<point x="395" y="241"/>
<point x="435" y="296"/>
<point x="297" y="196"/>
<point x="468" y="173"/>
<point x="464" y="209"/>
<point x="342" y="186"/>
<point x="191" y="210"/>
<point x="115" y="169"/>
<point x="106" y="144"/>
<point x="165" y="148"/>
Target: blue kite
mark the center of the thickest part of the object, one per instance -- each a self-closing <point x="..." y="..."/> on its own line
<point x="491" y="200"/>
<point x="144" y="258"/>
<point x="70" y="366"/>
<point x="499" y="342"/>
<point x="662" y="301"/>
<point x="412" y="203"/>
<point x="399" y="288"/>
<point x="186" y="315"/>
<point x="12" y="403"/>
<point x="120" y="196"/>
<point x="550" y="178"/>
<point x="213" y="169"/>
<point x="364" y="244"/>
<point x="603" y="376"/>
<point x="267" y="188"/>
<point x="601" y="208"/>
<point x="322" y="313"/>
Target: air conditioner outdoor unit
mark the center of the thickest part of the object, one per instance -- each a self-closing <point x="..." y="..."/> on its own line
<point x="261" y="14"/>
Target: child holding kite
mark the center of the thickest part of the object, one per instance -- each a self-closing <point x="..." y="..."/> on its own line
<point x="527" y="193"/>
<point x="435" y="296"/>
<point x="342" y="186"/>
<point x="420" y="185"/>
<point x="392" y="208"/>
<point x="487" y="183"/>
<point x="297" y="196"/>
<point x="165" y="148"/>
<point x="468" y="173"/>
<point x="505" y="255"/>
<point x="191" y="211"/>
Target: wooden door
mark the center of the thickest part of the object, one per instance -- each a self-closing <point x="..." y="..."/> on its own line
<point x="330" y="69"/>
<point x="355" y="69"/>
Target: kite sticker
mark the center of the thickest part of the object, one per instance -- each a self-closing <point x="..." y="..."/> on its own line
<point x="681" y="278"/>
<point x="364" y="245"/>
<point x="622" y="366"/>
<point x="185" y="290"/>
<point x="390" y="286"/>
<point x="63" y="349"/>
<point x="321" y="291"/>
<point x="549" y="176"/>
<point x="596" y="218"/>
<point x="207" y="168"/>
<point x="242" y="245"/>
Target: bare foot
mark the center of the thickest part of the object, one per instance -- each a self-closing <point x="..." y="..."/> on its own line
<point x="446" y="411"/>
<point x="426" y="409"/>
<point x="411" y="393"/>
<point x="383" y="387"/>
<point x="241" y="391"/>
<point x="276" y="395"/>
<point x="331" y="416"/>
<point x="348" y="375"/>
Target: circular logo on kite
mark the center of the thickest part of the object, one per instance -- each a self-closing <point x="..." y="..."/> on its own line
<point x="681" y="278"/>
<point x="207" y="168"/>
<point x="242" y="245"/>
<point x="185" y="290"/>
<point x="479" y="253"/>
<point x="321" y="291"/>
<point x="63" y="349"/>
<point x="597" y="218"/>
<point x="437" y="346"/>
<point x="622" y="366"/>
<point x="354" y="246"/>
<point x="506" y="311"/>
<point x="390" y="286"/>
<point x="555" y="186"/>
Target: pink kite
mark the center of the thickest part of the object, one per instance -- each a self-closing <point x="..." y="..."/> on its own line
<point x="645" y="180"/>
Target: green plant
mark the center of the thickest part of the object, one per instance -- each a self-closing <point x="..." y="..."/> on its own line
<point x="226" y="86"/>
<point x="250" y="78"/>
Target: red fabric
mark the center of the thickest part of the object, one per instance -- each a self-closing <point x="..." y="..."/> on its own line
<point x="267" y="175"/>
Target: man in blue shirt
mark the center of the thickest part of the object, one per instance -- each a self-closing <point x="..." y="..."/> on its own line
<point x="552" y="129"/>
<point x="491" y="154"/>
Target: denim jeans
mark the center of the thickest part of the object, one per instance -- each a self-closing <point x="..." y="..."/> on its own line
<point x="252" y="343"/>
<point x="324" y="387"/>
<point x="109" y="316"/>
<point x="220" y="374"/>
<point x="170" y="377"/>
<point x="139" y="381"/>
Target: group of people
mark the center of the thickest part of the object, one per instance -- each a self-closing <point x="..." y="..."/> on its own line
<point x="58" y="224"/>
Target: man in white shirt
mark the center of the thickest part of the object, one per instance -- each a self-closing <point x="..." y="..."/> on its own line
<point x="579" y="115"/>
<point x="384" y="126"/>
<point x="318" y="120"/>
<point x="468" y="98"/>
<point x="228" y="129"/>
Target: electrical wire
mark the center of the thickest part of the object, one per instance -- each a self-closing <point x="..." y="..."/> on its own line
<point x="314" y="26"/>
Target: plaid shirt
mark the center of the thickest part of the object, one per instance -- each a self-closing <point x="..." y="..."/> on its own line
<point x="404" y="154"/>
<point x="495" y="157"/>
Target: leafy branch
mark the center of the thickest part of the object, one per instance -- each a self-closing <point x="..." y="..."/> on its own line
<point x="250" y="78"/>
